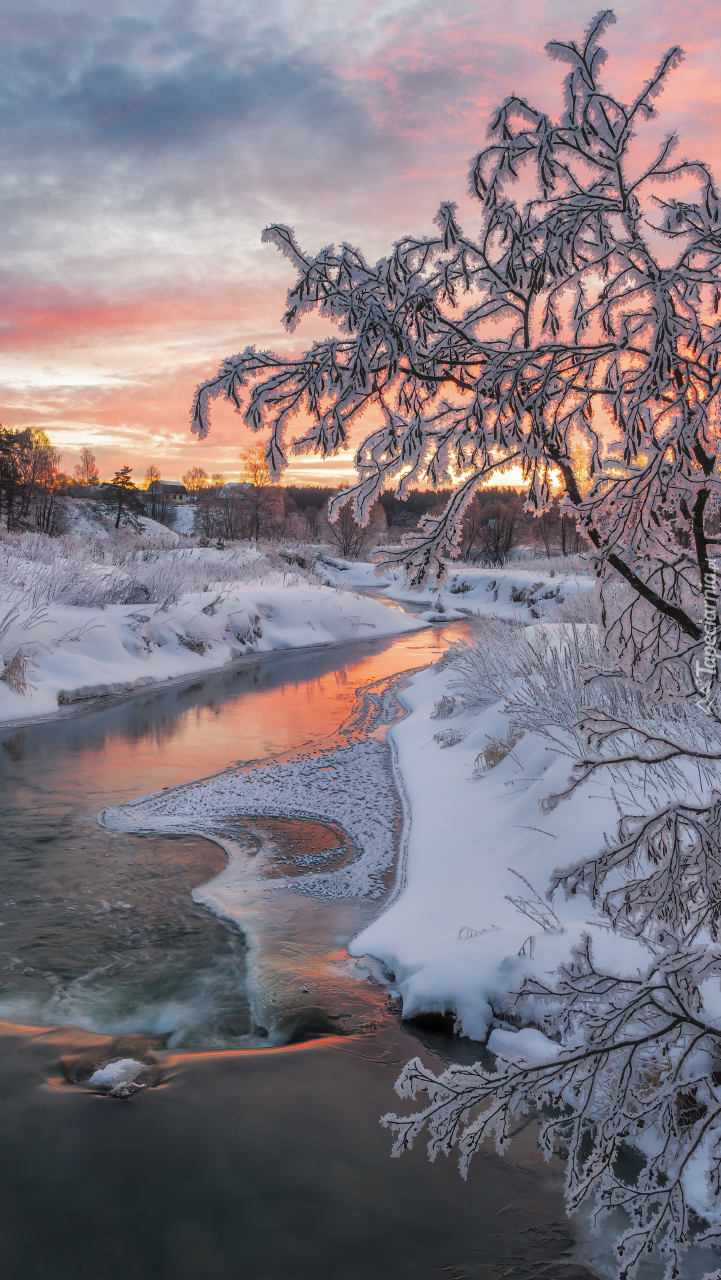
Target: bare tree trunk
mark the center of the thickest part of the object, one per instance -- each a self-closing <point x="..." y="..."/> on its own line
<point x="544" y="534"/>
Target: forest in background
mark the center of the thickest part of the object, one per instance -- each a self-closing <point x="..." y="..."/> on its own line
<point x="34" y="493"/>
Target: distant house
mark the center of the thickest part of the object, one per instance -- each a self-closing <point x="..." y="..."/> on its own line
<point x="235" y="486"/>
<point x="169" y="490"/>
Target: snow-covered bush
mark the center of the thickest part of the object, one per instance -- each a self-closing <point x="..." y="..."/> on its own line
<point x="629" y="1075"/>
<point x="544" y="671"/>
<point x="73" y="570"/>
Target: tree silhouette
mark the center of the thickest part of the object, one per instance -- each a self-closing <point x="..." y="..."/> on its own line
<point x="86" y="472"/>
<point x="120" y="495"/>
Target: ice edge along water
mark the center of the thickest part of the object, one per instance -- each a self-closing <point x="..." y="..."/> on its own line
<point x="345" y="780"/>
<point x="448" y="934"/>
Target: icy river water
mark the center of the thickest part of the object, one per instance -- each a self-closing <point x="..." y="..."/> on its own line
<point x="256" y="1151"/>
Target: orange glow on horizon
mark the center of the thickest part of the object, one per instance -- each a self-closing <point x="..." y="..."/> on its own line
<point x="119" y="299"/>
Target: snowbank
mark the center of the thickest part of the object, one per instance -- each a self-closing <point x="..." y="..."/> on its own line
<point x="516" y="591"/>
<point x="59" y="654"/>
<point x="450" y="937"/>
<point x="85" y="518"/>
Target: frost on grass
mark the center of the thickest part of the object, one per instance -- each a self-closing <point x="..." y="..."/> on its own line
<point x="92" y="619"/>
<point x="495" y="752"/>
<point x="94" y="573"/>
<point x="449" y="737"/>
<point x="15" y="672"/>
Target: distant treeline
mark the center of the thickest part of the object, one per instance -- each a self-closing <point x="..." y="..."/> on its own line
<point x="495" y="523"/>
<point x="32" y="488"/>
<point x="403" y="512"/>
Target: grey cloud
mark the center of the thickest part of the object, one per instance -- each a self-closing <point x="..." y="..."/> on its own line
<point x="135" y="148"/>
<point x="119" y="83"/>
<point x="147" y="143"/>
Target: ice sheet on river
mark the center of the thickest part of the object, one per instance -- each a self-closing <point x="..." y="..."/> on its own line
<point x="347" y="780"/>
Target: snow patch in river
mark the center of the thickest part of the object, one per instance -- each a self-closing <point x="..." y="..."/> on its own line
<point x="116" y="1074"/>
<point x="349" y="783"/>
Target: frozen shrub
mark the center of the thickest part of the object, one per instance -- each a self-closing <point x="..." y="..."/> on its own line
<point x="449" y="737"/>
<point x="494" y="753"/>
<point x="443" y="708"/>
<point x="36" y="570"/>
<point x="15" y="672"/>
<point x="194" y="643"/>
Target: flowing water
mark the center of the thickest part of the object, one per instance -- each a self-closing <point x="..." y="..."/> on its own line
<point x="256" y="1152"/>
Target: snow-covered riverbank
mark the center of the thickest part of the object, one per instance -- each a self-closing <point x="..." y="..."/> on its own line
<point x="518" y="591"/>
<point x="104" y="612"/>
<point x="80" y="624"/>
<point x="61" y="654"/>
<point x="451" y="936"/>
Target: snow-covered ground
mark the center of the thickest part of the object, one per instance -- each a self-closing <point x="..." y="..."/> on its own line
<point x="184" y="519"/>
<point x="518" y="591"/>
<point x="489" y="818"/>
<point x="87" y="519"/>
<point x="78" y="621"/>
<point x="450" y="936"/>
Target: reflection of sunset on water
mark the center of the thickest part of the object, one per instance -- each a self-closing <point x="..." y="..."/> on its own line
<point x="120" y="941"/>
<point x="267" y="713"/>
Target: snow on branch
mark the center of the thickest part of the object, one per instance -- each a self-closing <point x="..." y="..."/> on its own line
<point x="554" y="326"/>
<point x="630" y="1083"/>
<point x="637" y="1072"/>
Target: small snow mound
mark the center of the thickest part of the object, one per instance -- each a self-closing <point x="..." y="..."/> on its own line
<point x="527" y="1043"/>
<point x="444" y="615"/>
<point x="116" y="1074"/>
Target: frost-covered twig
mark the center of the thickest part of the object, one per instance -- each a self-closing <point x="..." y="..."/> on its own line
<point x="634" y="1072"/>
<point x="558" y="339"/>
<point x="534" y="907"/>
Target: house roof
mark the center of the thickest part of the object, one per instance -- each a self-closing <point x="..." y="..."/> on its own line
<point x="232" y="486"/>
<point x="166" y="486"/>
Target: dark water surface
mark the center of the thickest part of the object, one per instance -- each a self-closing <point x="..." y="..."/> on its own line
<point x="266" y="1163"/>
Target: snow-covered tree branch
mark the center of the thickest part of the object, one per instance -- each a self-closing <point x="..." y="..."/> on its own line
<point x="638" y="1071"/>
<point x="577" y="337"/>
<point x="583" y="319"/>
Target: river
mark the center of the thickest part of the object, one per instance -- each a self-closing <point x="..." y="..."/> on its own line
<point x="257" y="1152"/>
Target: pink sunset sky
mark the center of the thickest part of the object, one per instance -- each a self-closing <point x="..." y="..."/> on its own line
<point x="146" y="145"/>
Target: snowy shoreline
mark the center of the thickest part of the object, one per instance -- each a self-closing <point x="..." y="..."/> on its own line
<point x="449" y="935"/>
<point x="83" y="706"/>
<point x="466" y="838"/>
<point x="487" y="818"/>
<point x="122" y="650"/>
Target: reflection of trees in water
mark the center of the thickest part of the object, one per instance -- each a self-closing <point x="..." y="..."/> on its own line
<point x="15" y="746"/>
